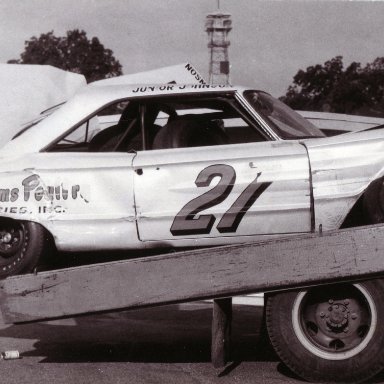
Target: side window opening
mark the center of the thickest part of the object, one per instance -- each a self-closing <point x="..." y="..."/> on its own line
<point x="171" y="122"/>
<point x="107" y="131"/>
<point x="205" y="122"/>
<point x="115" y="138"/>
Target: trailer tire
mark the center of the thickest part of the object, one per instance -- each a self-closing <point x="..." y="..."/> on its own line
<point x="22" y="244"/>
<point x="329" y="333"/>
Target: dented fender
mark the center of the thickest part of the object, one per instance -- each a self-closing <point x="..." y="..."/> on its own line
<point x="85" y="202"/>
<point x="342" y="168"/>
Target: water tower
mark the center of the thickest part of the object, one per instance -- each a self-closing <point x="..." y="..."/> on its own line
<point x="218" y="25"/>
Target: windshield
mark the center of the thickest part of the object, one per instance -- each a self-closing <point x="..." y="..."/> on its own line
<point x="287" y="123"/>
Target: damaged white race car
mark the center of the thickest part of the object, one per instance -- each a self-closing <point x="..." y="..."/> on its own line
<point x="133" y="167"/>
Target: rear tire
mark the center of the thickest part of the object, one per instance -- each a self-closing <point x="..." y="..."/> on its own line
<point x="22" y="244"/>
<point x="373" y="202"/>
<point x="329" y="333"/>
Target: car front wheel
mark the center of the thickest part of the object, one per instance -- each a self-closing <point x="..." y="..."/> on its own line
<point x="329" y="333"/>
<point x="22" y="244"/>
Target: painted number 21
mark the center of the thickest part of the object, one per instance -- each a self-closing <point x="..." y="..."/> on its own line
<point x="186" y="222"/>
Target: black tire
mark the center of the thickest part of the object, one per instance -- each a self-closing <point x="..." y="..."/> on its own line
<point x="330" y="333"/>
<point x="22" y="244"/>
<point x="373" y="202"/>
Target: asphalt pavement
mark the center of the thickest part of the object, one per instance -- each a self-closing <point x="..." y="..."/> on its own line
<point x="156" y="345"/>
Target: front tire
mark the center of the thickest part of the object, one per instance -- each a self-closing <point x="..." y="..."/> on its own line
<point x="22" y="244"/>
<point x="330" y="333"/>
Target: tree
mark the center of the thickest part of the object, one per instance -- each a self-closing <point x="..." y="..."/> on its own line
<point x="330" y="87"/>
<point x="73" y="52"/>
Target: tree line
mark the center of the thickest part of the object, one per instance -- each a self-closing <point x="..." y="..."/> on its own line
<point x="330" y="87"/>
<point x="73" y="52"/>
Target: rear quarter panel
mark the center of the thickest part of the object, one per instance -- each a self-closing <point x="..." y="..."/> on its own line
<point x="84" y="200"/>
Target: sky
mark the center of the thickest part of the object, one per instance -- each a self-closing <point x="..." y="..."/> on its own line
<point x="270" y="40"/>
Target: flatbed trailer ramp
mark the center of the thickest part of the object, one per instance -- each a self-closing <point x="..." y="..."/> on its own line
<point x="210" y="273"/>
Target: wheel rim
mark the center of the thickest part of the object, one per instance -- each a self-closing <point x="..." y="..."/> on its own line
<point x="12" y="243"/>
<point x="336" y="322"/>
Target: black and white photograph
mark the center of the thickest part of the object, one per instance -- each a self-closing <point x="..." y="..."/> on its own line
<point x="191" y="191"/>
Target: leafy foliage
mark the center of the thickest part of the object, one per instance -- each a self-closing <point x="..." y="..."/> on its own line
<point x="330" y="87"/>
<point x="74" y="52"/>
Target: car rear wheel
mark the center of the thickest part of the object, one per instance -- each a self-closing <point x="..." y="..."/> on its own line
<point x="22" y="244"/>
<point x="373" y="202"/>
<point x="330" y="333"/>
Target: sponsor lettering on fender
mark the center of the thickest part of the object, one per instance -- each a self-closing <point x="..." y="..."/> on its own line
<point x="34" y="189"/>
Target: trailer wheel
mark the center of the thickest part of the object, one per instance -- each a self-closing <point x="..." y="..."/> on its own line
<point x="331" y="333"/>
<point x="22" y="244"/>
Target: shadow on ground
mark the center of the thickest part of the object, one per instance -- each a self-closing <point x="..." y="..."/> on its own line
<point x="171" y="334"/>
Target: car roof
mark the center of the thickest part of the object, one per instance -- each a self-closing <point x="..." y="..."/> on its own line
<point x="137" y="90"/>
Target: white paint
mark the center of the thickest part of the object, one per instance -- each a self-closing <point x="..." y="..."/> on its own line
<point x="26" y="90"/>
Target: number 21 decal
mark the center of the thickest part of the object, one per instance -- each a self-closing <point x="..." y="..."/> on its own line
<point x="186" y="222"/>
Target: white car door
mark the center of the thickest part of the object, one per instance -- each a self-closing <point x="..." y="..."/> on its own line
<point x="221" y="191"/>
